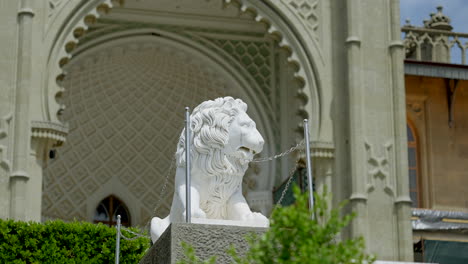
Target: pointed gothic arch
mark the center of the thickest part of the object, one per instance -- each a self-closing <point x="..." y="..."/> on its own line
<point x="109" y="208"/>
<point x="413" y="165"/>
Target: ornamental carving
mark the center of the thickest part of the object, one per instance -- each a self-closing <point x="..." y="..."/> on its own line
<point x="53" y="8"/>
<point x="4" y="127"/>
<point x="379" y="165"/>
<point x="306" y="10"/>
<point x="415" y="106"/>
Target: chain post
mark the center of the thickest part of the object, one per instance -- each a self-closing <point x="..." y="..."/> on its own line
<point x="187" y="167"/>
<point x="117" y="242"/>
<point x="309" y="167"/>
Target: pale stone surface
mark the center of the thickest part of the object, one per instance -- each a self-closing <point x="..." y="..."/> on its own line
<point x="123" y="134"/>
<point x="371" y="164"/>
<point x="125" y="117"/>
<point x="224" y="139"/>
<point x="249" y="223"/>
<point x="207" y="241"/>
<point x="337" y="63"/>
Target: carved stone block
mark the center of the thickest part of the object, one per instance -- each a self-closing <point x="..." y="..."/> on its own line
<point x="207" y="241"/>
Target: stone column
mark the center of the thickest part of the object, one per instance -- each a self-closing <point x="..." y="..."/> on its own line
<point x="8" y="62"/>
<point x="377" y="154"/>
<point x="323" y="163"/>
<point x="358" y="196"/>
<point x="21" y="127"/>
<point x="38" y="154"/>
<point x="402" y="199"/>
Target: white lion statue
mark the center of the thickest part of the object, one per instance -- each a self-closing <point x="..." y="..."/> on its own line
<point x="224" y="139"/>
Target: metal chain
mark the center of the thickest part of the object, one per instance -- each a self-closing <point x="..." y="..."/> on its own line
<point x="291" y="174"/>
<point x="287" y="152"/>
<point x="158" y="203"/>
<point x="136" y="235"/>
<point x="163" y="189"/>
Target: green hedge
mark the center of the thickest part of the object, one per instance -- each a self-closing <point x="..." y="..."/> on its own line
<point x="59" y="242"/>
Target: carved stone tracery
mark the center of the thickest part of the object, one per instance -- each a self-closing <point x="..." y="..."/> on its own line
<point x="379" y="166"/>
<point x="307" y="10"/>
<point x="4" y="128"/>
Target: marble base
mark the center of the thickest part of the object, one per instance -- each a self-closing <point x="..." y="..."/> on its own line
<point x="207" y="240"/>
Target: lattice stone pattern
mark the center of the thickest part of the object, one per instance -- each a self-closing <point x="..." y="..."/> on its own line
<point x="125" y="112"/>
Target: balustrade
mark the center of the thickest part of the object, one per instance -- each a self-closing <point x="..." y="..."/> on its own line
<point x="435" y="41"/>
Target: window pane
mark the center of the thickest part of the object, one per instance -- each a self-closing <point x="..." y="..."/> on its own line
<point x="412" y="179"/>
<point x="414" y="199"/>
<point x="109" y="208"/>
<point x="101" y="213"/>
<point x="412" y="157"/>
<point x="123" y="212"/>
<point x="409" y="133"/>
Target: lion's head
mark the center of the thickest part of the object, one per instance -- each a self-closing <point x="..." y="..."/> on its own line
<point x="221" y="131"/>
<point x="224" y="140"/>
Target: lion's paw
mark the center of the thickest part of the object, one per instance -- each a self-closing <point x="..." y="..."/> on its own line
<point x="197" y="213"/>
<point x="257" y="217"/>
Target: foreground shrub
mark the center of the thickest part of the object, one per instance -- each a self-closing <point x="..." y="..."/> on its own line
<point x="293" y="237"/>
<point x="59" y="242"/>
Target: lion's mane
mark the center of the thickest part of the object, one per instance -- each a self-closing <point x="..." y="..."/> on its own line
<point x="210" y="123"/>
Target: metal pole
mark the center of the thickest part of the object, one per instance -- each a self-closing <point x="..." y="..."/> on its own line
<point x="117" y="242"/>
<point x="187" y="166"/>
<point x="309" y="166"/>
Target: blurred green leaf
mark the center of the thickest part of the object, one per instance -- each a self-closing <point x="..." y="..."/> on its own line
<point x="295" y="237"/>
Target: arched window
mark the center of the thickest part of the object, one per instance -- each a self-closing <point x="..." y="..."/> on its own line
<point x="108" y="209"/>
<point x="413" y="166"/>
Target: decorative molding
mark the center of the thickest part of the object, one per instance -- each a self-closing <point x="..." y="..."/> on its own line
<point x="307" y="11"/>
<point x="379" y="166"/>
<point x="319" y="150"/>
<point x="324" y="150"/>
<point x="26" y="12"/>
<point x="353" y="40"/>
<point x="4" y="128"/>
<point x="251" y="54"/>
<point x="53" y="8"/>
<point x="415" y="106"/>
<point x="49" y="130"/>
<point x="358" y="197"/>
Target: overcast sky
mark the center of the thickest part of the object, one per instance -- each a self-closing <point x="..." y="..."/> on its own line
<point x="418" y="10"/>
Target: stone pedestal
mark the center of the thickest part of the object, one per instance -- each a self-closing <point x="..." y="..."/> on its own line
<point x="207" y="240"/>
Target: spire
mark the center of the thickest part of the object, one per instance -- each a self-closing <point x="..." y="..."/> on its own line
<point x="438" y="21"/>
<point x="408" y="23"/>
